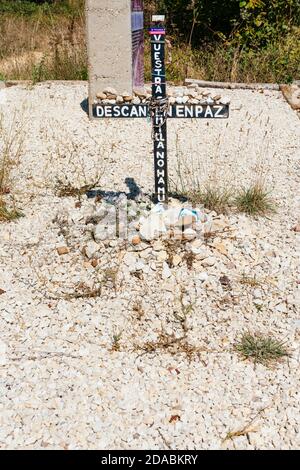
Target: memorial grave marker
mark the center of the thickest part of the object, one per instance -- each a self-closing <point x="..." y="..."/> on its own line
<point x="157" y="107"/>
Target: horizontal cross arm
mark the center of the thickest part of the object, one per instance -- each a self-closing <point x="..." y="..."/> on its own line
<point x="188" y="111"/>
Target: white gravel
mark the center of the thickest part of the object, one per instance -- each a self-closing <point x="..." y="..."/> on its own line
<point x="62" y="384"/>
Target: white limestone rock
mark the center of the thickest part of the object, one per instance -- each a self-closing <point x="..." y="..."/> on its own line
<point x="92" y="249"/>
<point x="110" y="91"/>
<point x="136" y="100"/>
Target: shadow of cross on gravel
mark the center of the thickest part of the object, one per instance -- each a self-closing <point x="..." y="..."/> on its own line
<point x="134" y="191"/>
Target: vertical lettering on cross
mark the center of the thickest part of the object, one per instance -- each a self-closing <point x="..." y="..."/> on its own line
<point x="157" y="33"/>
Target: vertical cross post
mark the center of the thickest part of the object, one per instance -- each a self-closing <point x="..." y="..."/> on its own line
<point x="159" y="106"/>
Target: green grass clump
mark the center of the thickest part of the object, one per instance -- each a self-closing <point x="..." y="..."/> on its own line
<point x="213" y="198"/>
<point x="261" y="349"/>
<point x="255" y="200"/>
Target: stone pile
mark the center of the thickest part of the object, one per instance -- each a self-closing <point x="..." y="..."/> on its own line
<point x="191" y="94"/>
<point x="141" y="221"/>
<point x="152" y="239"/>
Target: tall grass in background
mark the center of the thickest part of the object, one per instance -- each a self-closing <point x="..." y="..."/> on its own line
<point x="46" y="41"/>
<point x="43" y="42"/>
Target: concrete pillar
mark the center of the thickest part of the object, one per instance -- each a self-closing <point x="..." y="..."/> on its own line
<point x="109" y="42"/>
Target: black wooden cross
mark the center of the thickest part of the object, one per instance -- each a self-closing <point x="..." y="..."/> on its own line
<point x="159" y="109"/>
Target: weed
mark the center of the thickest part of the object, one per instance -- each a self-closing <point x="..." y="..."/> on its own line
<point x="116" y="341"/>
<point x="7" y="215"/>
<point x="173" y="246"/>
<point x="12" y="140"/>
<point x="138" y="274"/>
<point x="185" y="311"/>
<point x="82" y="291"/>
<point x="68" y="190"/>
<point x="11" y="145"/>
<point x="250" y="281"/>
<point x="261" y="349"/>
<point x="258" y="307"/>
<point x="189" y="258"/>
<point x="110" y="276"/>
<point x="170" y="344"/>
<point x="255" y="200"/>
<point x="246" y="430"/>
<point x="138" y="310"/>
<point x="43" y="46"/>
<point x="213" y="198"/>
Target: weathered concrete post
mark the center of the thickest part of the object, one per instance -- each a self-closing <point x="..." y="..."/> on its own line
<point x="109" y="42"/>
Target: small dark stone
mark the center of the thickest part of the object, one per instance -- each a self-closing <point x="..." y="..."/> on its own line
<point x="225" y="281"/>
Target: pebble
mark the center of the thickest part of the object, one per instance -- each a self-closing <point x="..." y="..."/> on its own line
<point x="127" y="97"/>
<point x="162" y="256"/>
<point x="62" y="250"/>
<point x="140" y="93"/>
<point x="176" y="260"/>
<point x="225" y="100"/>
<point x="103" y="232"/>
<point x="129" y="259"/>
<point x="136" y="100"/>
<point x="139" y="266"/>
<point x="257" y="294"/>
<point x="146" y="253"/>
<point x="110" y="91"/>
<point x="189" y="234"/>
<point x="158" y="245"/>
<point x="210" y="261"/>
<point x="111" y="97"/>
<point x="281" y="308"/>
<point x="166" y="271"/>
<point x="91" y="249"/>
<point x="101" y="96"/>
<point x="203" y="276"/>
<point x="296" y="228"/>
<point x="181" y="96"/>
<point x="136" y="240"/>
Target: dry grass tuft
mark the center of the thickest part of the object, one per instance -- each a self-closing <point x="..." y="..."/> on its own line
<point x="83" y="291"/>
<point x="169" y="343"/>
<point x="7" y="215"/>
<point x="11" y="146"/>
<point x="68" y="190"/>
<point x="43" y="47"/>
<point x="249" y="281"/>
